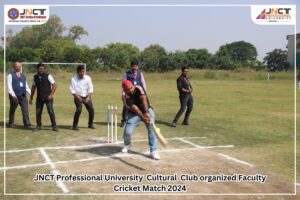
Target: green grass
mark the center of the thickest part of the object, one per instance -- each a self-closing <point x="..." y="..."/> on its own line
<point x="240" y="108"/>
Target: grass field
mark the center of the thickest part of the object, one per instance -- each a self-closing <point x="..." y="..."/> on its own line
<point x="230" y="108"/>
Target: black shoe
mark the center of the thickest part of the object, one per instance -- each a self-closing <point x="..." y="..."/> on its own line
<point x="37" y="128"/>
<point x="27" y="125"/>
<point x="123" y="123"/>
<point x="55" y="129"/>
<point x="75" y="128"/>
<point x="185" y="123"/>
<point x="91" y="126"/>
<point x="173" y="124"/>
<point x="9" y="125"/>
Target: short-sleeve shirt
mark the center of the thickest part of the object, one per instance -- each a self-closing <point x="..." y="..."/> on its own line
<point x="135" y="99"/>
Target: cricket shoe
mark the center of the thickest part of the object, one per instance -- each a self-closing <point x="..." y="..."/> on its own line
<point x="155" y="155"/>
<point x="125" y="149"/>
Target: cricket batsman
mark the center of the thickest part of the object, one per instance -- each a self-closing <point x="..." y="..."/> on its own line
<point x="139" y="110"/>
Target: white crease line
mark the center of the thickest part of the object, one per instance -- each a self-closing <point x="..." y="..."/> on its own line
<point x="205" y="147"/>
<point x="108" y="157"/>
<point x="94" y="158"/>
<point x="25" y="166"/>
<point x="56" y="148"/>
<point x="191" y="143"/>
<point x="59" y="183"/>
<point x="235" y="160"/>
<point x="85" y="146"/>
<point x="220" y="146"/>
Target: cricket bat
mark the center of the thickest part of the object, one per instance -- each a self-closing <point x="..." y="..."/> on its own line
<point x="159" y="136"/>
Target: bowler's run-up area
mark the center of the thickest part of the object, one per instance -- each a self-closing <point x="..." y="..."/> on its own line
<point x="232" y="146"/>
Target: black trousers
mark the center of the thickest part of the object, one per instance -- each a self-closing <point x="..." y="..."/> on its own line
<point x="90" y="109"/>
<point x="23" y="102"/>
<point x="39" y="110"/>
<point x="186" y="101"/>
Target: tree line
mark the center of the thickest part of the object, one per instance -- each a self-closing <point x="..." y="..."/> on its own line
<point x="53" y="42"/>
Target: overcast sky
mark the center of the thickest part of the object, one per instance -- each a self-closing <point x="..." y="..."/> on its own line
<point x="175" y="28"/>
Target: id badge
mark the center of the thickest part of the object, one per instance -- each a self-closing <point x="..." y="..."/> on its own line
<point x="21" y="84"/>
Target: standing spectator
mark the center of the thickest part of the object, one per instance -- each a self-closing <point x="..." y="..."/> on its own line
<point x="137" y="78"/>
<point x="17" y="87"/>
<point x="46" y="86"/>
<point x="185" y="96"/>
<point x="82" y="88"/>
<point x="139" y="110"/>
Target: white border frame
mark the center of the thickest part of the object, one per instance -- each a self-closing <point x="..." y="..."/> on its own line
<point x="156" y="194"/>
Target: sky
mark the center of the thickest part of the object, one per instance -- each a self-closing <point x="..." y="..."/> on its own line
<point x="174" y="28"/>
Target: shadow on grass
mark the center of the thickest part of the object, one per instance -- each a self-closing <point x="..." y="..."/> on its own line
<point x="16" y="126"/>
<point x="162" y="122"/>
<point x="110" y="151"/>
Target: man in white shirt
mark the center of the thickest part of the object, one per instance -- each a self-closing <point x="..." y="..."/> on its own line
<point x="82" y="88"/>
<point x="46" y="86"/>
<point x="17" y="87"/>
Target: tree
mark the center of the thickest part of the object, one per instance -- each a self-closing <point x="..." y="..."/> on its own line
<point x="198" y="58"/>
<point x="117" y="56"/>
<point x="50" y="51"/>
<point x="241" y="51"/>
<point x="28" y="54"/>
<point x="75" y="32"/>
<point x="9" y="37"/>
<point x="176" y="60"/>
<point x="276" y="60"/>
<point x="223" y="60"/>
<point x="52" y="29"/>
<point x="13" y="54"/>
<point x="71" y="54"/>
<point x="257" y="65"/>
<point x="154" y="58"/>
<point x="33" y="36"/>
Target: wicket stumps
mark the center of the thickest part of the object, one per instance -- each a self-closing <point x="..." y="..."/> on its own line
<point x="112" y="124"/>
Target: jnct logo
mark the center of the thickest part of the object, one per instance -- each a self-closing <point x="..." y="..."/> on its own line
<point x="275" y="13"/>
<point x="26" y="14"/>
<point x="13" y="13"/>
<point x="33" y="12"/>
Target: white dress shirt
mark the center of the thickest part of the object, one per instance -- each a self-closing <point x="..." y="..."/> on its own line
<point x="81" y="87"/>
<point x="50" y="79"/>
<point x="10" y="88"/>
